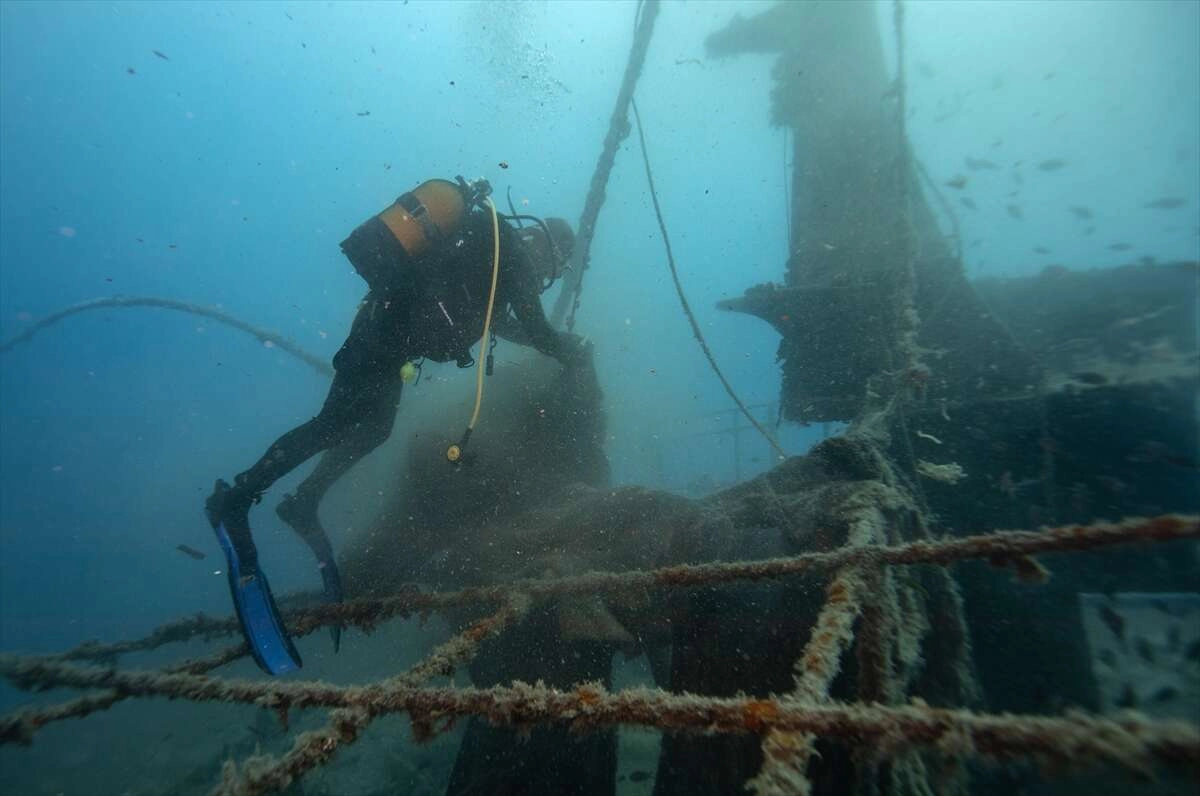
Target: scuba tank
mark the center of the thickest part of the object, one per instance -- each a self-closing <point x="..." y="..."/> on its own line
<point x="413" y="226"/>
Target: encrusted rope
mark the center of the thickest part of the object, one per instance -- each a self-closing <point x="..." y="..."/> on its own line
<point x="1129" y="741"/>
<point x="567" y="302"/>
<point x="260" y="775"/>
<point x="1005" y="548"/>
<point x="1002" y="548"/>
<point x="786" y="754"/>
<point x="262" y="335"/>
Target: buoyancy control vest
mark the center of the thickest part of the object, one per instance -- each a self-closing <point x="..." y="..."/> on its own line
<point x="451" y="293"/>
<point x="427" y="247"/>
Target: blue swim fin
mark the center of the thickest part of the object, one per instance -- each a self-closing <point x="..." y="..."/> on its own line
<point x="300" y="513"/>
<point x="332" y="582"/>
<point x="265" y="634"/>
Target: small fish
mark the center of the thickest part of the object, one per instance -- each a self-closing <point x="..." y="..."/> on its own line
<point x="1165" y="694"/>
<point x="980" y="164"/>
<point x="957" y="182"/>
<point x="968" y="203"/>
<point x="1015" y="212"/>
<point x="639" y="776"/>
<point x="363" y="113"/>
<point x="1082" y="213"/>
<point x="1120" y="247"/>
<point x="1151" y="452"/>
<point x="1113" y="621"/>
<point x="503" y="164"/>
<point x="1090" y="377"/>
<point x="1166" y="203"/>
<point x="1179" y="460"/>
<point x="1144" y="650"/>
<point x="160" y="55"/>
<point x="1012" y="487"/>
<point x="130" y="70"/>
<point x="1154" y="452"/>
<point x="1127" y="697"/>
<point x="1053" y="164"/>
<point x="683" y="61"/>
<point x="1040" y="250"/>
<point x="191" y="552"/>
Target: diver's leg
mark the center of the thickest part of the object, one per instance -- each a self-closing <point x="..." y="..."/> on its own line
<point x="377" y="398"/>
<point x="299" y="510"/>
<point x="344" y="407"/>
<point x="230" y="505"/>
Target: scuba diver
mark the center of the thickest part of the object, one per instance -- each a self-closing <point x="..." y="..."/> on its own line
<point x="444" y="270"/>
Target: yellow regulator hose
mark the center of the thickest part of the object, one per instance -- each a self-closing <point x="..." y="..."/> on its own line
<point x="454" y="452"/>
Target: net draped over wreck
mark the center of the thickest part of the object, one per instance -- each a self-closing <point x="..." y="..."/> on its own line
<point x="831" y="625"/>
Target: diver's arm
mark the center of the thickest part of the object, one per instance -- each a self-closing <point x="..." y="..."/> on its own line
<point x="509" y="328"/>
<point x="525" y="297"/>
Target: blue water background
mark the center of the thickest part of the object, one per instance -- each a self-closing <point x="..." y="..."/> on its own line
<point x="228" y="174"/>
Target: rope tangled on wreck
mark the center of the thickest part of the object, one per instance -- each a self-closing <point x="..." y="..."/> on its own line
<point x="1129" y="741"/>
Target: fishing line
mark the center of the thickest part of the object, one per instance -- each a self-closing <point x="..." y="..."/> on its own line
<point x="687" y="310"/>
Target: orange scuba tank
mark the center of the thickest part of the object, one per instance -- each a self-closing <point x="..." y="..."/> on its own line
<point x="426" y="215"/>
<point x="412" y="227"/>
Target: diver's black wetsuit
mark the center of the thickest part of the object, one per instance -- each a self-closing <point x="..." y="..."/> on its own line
<point x="435" y="308"/>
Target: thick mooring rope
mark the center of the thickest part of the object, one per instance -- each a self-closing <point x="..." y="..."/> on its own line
<point x="109" y="302"/>
<point x="1131" y="741"/>
<point x="618" y="129"/>
<point x="1008" y="549"/>
<point x="313" y="749"/>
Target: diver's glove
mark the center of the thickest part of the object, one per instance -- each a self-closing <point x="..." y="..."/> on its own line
<point x="227" y="509"/>
<point x="574" y="351"/>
